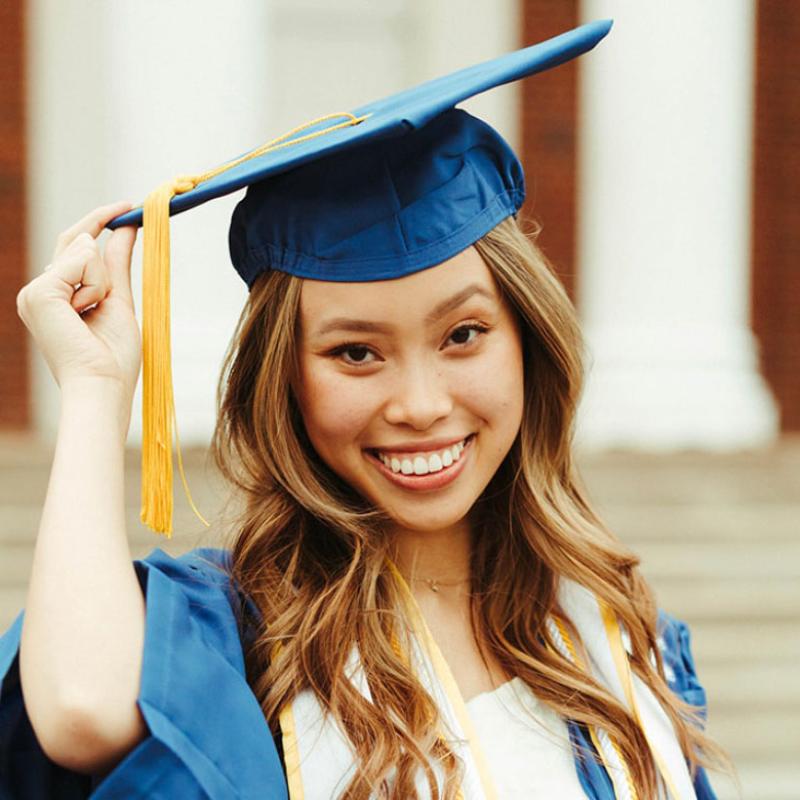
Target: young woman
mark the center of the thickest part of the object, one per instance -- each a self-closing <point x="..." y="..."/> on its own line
<point x="417" y="600"/>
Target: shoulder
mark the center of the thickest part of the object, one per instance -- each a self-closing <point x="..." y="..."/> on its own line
<point x="208" y="561"/>
<point x="195" y="592"/>
<point x="674" y="643"/>
<point x="202" y="573"/>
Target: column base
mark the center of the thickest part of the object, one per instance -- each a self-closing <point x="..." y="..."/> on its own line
<point x="669" y="389"/>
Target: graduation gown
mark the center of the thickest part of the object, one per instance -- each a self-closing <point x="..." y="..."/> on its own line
<point x="207" y="735"/>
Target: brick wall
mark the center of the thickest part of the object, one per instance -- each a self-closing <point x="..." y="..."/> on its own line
<point x="14" y="372"/>
<point x="549" y="129"/>
<point x="776" y="210"/>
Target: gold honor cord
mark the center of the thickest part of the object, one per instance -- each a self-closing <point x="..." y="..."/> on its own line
<point x="625" y="674"/>
<point x="404" y="657"/>
<point x="606" y="747"/>
<point x="442" y="669"/>
<point x="289" y="743"/>
<point x="158" y="401"/>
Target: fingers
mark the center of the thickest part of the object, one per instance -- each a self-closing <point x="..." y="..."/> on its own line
<point x="118" y="261"/>
<point x="92" y="224"/>
<point x="77" y="259"/>
<point x="80" y="263"/>
<point x="95" y="281"/>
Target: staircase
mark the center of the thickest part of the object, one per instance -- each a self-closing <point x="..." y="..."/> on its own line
<point x="719" y="536"/>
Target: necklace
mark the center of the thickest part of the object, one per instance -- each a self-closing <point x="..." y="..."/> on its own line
<point x="434" y="584"/>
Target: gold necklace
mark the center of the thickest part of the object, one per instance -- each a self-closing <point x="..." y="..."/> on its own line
<point x="434" y="584"/>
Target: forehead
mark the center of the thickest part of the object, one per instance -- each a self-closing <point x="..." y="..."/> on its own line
<point x="422" y="291"/>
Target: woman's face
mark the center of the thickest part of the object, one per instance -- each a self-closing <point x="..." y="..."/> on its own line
<point x="411" y="389"/>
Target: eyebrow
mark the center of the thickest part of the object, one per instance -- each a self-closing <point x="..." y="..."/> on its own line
<point x="446" y="306"/>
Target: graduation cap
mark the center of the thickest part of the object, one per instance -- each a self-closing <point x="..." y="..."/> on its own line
<point x="396" y="186"/>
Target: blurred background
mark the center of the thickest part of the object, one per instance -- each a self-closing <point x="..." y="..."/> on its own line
<point x="662" y="168"/>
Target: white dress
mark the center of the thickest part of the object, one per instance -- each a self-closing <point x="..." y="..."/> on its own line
<point x="525" y="743"/>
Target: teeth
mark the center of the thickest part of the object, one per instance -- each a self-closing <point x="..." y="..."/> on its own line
<point x="421" y="465"/>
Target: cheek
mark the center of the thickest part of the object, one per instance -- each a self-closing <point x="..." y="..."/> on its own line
<point x="335" y="409"/>
<point x="492" y="387"/>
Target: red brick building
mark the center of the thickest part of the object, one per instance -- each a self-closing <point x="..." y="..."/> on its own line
<point x="550" y="124"/>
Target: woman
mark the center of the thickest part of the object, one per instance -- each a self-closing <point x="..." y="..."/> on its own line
<point x="418" y="600"/>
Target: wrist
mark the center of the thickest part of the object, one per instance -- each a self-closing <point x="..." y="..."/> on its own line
<point x="99" y="402"/>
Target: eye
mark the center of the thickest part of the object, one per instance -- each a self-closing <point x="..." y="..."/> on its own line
<point x="462" y="335"/>
<point x="358" y="354"/>
<point x="354" y="354"/>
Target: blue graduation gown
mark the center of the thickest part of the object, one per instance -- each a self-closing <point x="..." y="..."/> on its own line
<point x="207" y="736"/>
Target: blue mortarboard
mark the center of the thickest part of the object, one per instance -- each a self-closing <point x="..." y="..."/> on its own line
<point x="394" y="187"/>
<point x="429" y="194"/>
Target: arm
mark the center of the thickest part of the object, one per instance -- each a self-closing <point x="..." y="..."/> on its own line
<point x="83" y="632"/>
<point x="193" y="748"/>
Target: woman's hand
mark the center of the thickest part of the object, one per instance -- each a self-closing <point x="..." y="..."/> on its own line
<point x="80" y="309"/>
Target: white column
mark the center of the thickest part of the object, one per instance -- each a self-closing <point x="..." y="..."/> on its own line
<point x="190" y="89"/>
<point x="664" y="231"/>
<point x="124" y="96"/>
<point x="66" y="166"/>
<point x="459" y="33"/>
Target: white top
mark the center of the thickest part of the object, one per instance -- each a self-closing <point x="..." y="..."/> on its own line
<point x="526" y="744"/>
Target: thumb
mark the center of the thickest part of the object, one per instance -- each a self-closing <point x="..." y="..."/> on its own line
<point x="117" y="256"/>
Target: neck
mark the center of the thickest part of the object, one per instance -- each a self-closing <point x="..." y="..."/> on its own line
<point x="441" y="555"/>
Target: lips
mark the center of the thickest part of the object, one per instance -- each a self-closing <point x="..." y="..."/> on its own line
<point x="421" y="462"/>
<point x="422" y="480"/>
<point x="427" y="446"/>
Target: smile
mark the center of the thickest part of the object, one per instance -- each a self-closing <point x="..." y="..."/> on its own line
<point x="422" y="470"/>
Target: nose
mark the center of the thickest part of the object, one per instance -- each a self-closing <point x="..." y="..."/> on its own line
<point x="420" y="396"/>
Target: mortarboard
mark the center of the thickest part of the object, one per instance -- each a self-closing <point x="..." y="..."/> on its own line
<point x="396" y="186"/>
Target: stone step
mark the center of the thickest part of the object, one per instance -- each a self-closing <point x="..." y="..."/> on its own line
<point x="705" y="520"/>
<point x="759" y="476"/>
<point x="745" y="642"/>
<point x="760" y="780"/>
<point x="728" y="600"/>
<point x="758" y="686"/>
<point x="755" y="736"/>
<point x="750" y="561"/>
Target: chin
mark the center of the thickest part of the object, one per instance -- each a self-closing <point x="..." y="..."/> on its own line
<point x="426" y="520"/>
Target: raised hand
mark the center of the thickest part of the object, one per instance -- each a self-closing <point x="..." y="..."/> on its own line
<point x="80" y="309"/>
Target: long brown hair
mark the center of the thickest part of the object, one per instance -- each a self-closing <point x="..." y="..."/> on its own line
<point x="311" y="553"/>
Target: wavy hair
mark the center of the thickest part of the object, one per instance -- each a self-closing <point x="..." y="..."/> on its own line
<point x="311" y="553"/>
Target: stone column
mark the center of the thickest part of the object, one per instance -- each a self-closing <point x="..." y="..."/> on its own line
<point x="665" y="226"/>
<point x="191" y="89"/>
<point x="124" y="96"/>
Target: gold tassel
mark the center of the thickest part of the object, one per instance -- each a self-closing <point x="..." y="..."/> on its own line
<point x="158" y="402"/>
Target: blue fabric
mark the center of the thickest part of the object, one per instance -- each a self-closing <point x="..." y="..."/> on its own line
<point x="382" y="211"/>
<point x="207" y="736"/>
<point x="591" y="773"/>
<point x="392" y="116"/>
<point x="679" y="670"/>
